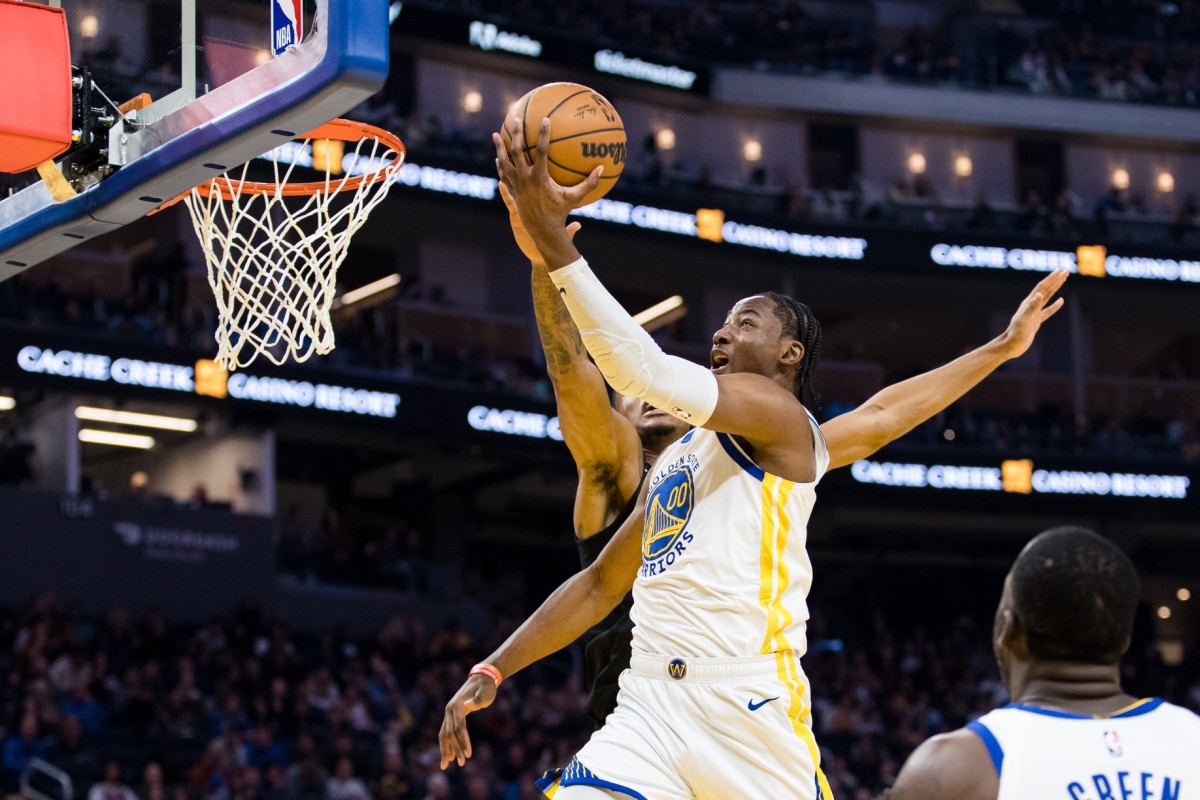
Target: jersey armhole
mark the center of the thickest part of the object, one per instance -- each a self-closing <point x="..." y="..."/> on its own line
<point x="995" y="751"/>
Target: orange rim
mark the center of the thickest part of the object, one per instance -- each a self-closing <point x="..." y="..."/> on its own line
<point x="345" y="130"/>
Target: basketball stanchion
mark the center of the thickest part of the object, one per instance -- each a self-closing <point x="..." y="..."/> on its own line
<point x="273" y="248"/>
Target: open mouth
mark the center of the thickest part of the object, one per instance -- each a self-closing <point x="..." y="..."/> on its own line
<point x="718" y="359"/>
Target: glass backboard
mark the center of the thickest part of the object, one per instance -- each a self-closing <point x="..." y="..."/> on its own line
<point x="193" y="88"/>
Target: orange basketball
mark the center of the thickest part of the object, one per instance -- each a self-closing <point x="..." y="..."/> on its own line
<point x="585" y="131"/>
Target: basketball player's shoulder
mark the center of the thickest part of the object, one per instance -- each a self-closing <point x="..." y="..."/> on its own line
<point x="1178" y="716"/>
<point x="950" y="766"/>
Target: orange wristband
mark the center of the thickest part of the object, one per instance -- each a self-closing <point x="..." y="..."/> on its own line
<point x="489" y="670"/>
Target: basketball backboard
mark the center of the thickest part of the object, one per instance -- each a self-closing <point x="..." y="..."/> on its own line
<point x="220" y="97"/>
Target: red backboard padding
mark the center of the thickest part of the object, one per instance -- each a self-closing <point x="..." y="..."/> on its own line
<point x="35" y="85"/>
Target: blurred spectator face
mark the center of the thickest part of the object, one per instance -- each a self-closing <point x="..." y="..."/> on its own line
<point x="153" y="774"/>
<point x="112" y="772"/>
<point x="390" y="788"/>
<point x="72" y="730"/>
<point x="305" y="745"/>
<point x="276" y="777"/>
<point x="345" y="769"/>
<point x="393" y="762"/>
<point x="29" y="727"/>
<point x="438" y="787"/>
<point x="477" y="788"/>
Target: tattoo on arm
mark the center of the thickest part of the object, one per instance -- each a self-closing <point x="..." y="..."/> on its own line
<point x="561" y="342"/>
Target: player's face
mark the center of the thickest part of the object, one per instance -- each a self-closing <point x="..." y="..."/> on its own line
<point x="750" y="340"/>
<point x="649" y="422"/>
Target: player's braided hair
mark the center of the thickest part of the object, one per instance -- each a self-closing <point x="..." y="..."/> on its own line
<point x="798" y="322"/>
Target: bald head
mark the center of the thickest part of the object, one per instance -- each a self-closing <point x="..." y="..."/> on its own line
<point x="1074" y="594"/>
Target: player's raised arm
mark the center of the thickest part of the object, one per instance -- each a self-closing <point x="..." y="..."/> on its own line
<point x="603" y="443"/>
<point x="578" y="604"/>
<point x="750" y="405"/>
<point x="897" y="409"/>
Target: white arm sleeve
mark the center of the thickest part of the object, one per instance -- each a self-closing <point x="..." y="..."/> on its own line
<point x="632" y="362"/>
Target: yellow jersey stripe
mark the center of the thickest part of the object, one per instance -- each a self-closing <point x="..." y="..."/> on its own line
<point x="1128" y="708"/>
<point x="766" y="559"/>
<point x="775" y="579"/>
<point x="783" y="579"/>
<point x="789" y="675"/>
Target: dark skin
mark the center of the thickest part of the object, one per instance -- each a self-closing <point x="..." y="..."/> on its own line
<point x="756" y="406"/>
<point x="755" y="367"/>
<point x="611" y="446"/>
<point x="956" y="766"/>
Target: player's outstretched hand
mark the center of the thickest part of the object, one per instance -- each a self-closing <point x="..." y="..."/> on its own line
<point x="543" y="204"/>
<point x="478" y="692"/>
<point x="518" y="228"/>
<point x="1035" y="309"/>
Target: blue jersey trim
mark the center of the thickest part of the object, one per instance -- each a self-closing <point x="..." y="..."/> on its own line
<point x="603" y="784"/>
<point x="576" y="774"/>
<point x="995" y="751"/>
<point x="1047" y="712"/>
<point x="1143" y="707"/>
<point x="739" y="458"/>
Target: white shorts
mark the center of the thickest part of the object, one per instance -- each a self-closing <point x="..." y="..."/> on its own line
<point x="705" y="729"/>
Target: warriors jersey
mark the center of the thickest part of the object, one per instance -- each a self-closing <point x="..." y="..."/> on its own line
<point x="1149" y="750"/>
<point x="725" y="572"/>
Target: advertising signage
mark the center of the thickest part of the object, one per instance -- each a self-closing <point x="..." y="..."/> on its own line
<point x="869" y="247"/>
<point x="543" y="45"/>
<point x="89" y="366"/>
<point x="1025" y="477"/>
<point x="86" y="365"/>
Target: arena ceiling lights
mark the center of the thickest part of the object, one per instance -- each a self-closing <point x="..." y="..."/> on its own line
<point x="131" y="440"/>
<point x="156" y="421"/>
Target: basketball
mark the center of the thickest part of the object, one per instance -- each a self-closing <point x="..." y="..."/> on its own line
<point x="585" y="132"/>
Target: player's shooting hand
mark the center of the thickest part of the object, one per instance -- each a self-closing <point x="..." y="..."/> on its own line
<point x="478" y="692"/>
<point x="518" y="228"/>
<point x="1035" y="309"/>
<point x="543" y="204"/>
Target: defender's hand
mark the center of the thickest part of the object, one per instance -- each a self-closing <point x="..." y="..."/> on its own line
<point x="1032" y="312"/>
<point x="478" y="692"/>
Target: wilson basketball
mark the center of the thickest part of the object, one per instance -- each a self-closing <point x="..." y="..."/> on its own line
<point x="585" y="131"/>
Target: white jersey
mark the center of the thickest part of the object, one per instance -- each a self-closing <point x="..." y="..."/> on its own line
<point x="1150" y="750"/>
<point x="725" y="571"/>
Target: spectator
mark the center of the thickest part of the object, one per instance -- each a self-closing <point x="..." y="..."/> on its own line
<point x="153" y="787"/>
<point x="111" y="788"/>
<point x="1185" y="220"/>
<point x="1110" y="202"/>
<point x="20" y="749"/>
<point x="73" y="754"/>
<point x="343" y="785"/>
<point x="262" y="751"/>
<point x="82" y="705"/>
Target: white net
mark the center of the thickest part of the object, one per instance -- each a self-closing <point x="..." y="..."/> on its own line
<point x="273" y="250"/>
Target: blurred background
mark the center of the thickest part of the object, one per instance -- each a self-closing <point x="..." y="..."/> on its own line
<point x="267" y="584"/>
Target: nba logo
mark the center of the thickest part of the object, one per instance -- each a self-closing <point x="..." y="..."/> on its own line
<point x="287" y="24"/>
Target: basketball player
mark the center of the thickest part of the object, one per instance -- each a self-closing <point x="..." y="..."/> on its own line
<point x="1064" y="620"/>
<point x="715" y="704"/>
<point x="613" y="448"/>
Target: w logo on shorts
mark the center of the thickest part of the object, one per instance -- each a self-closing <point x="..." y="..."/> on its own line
<point x="668" y="509"/>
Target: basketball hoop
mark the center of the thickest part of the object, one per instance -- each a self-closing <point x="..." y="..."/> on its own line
<point x="273" y="248"/>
